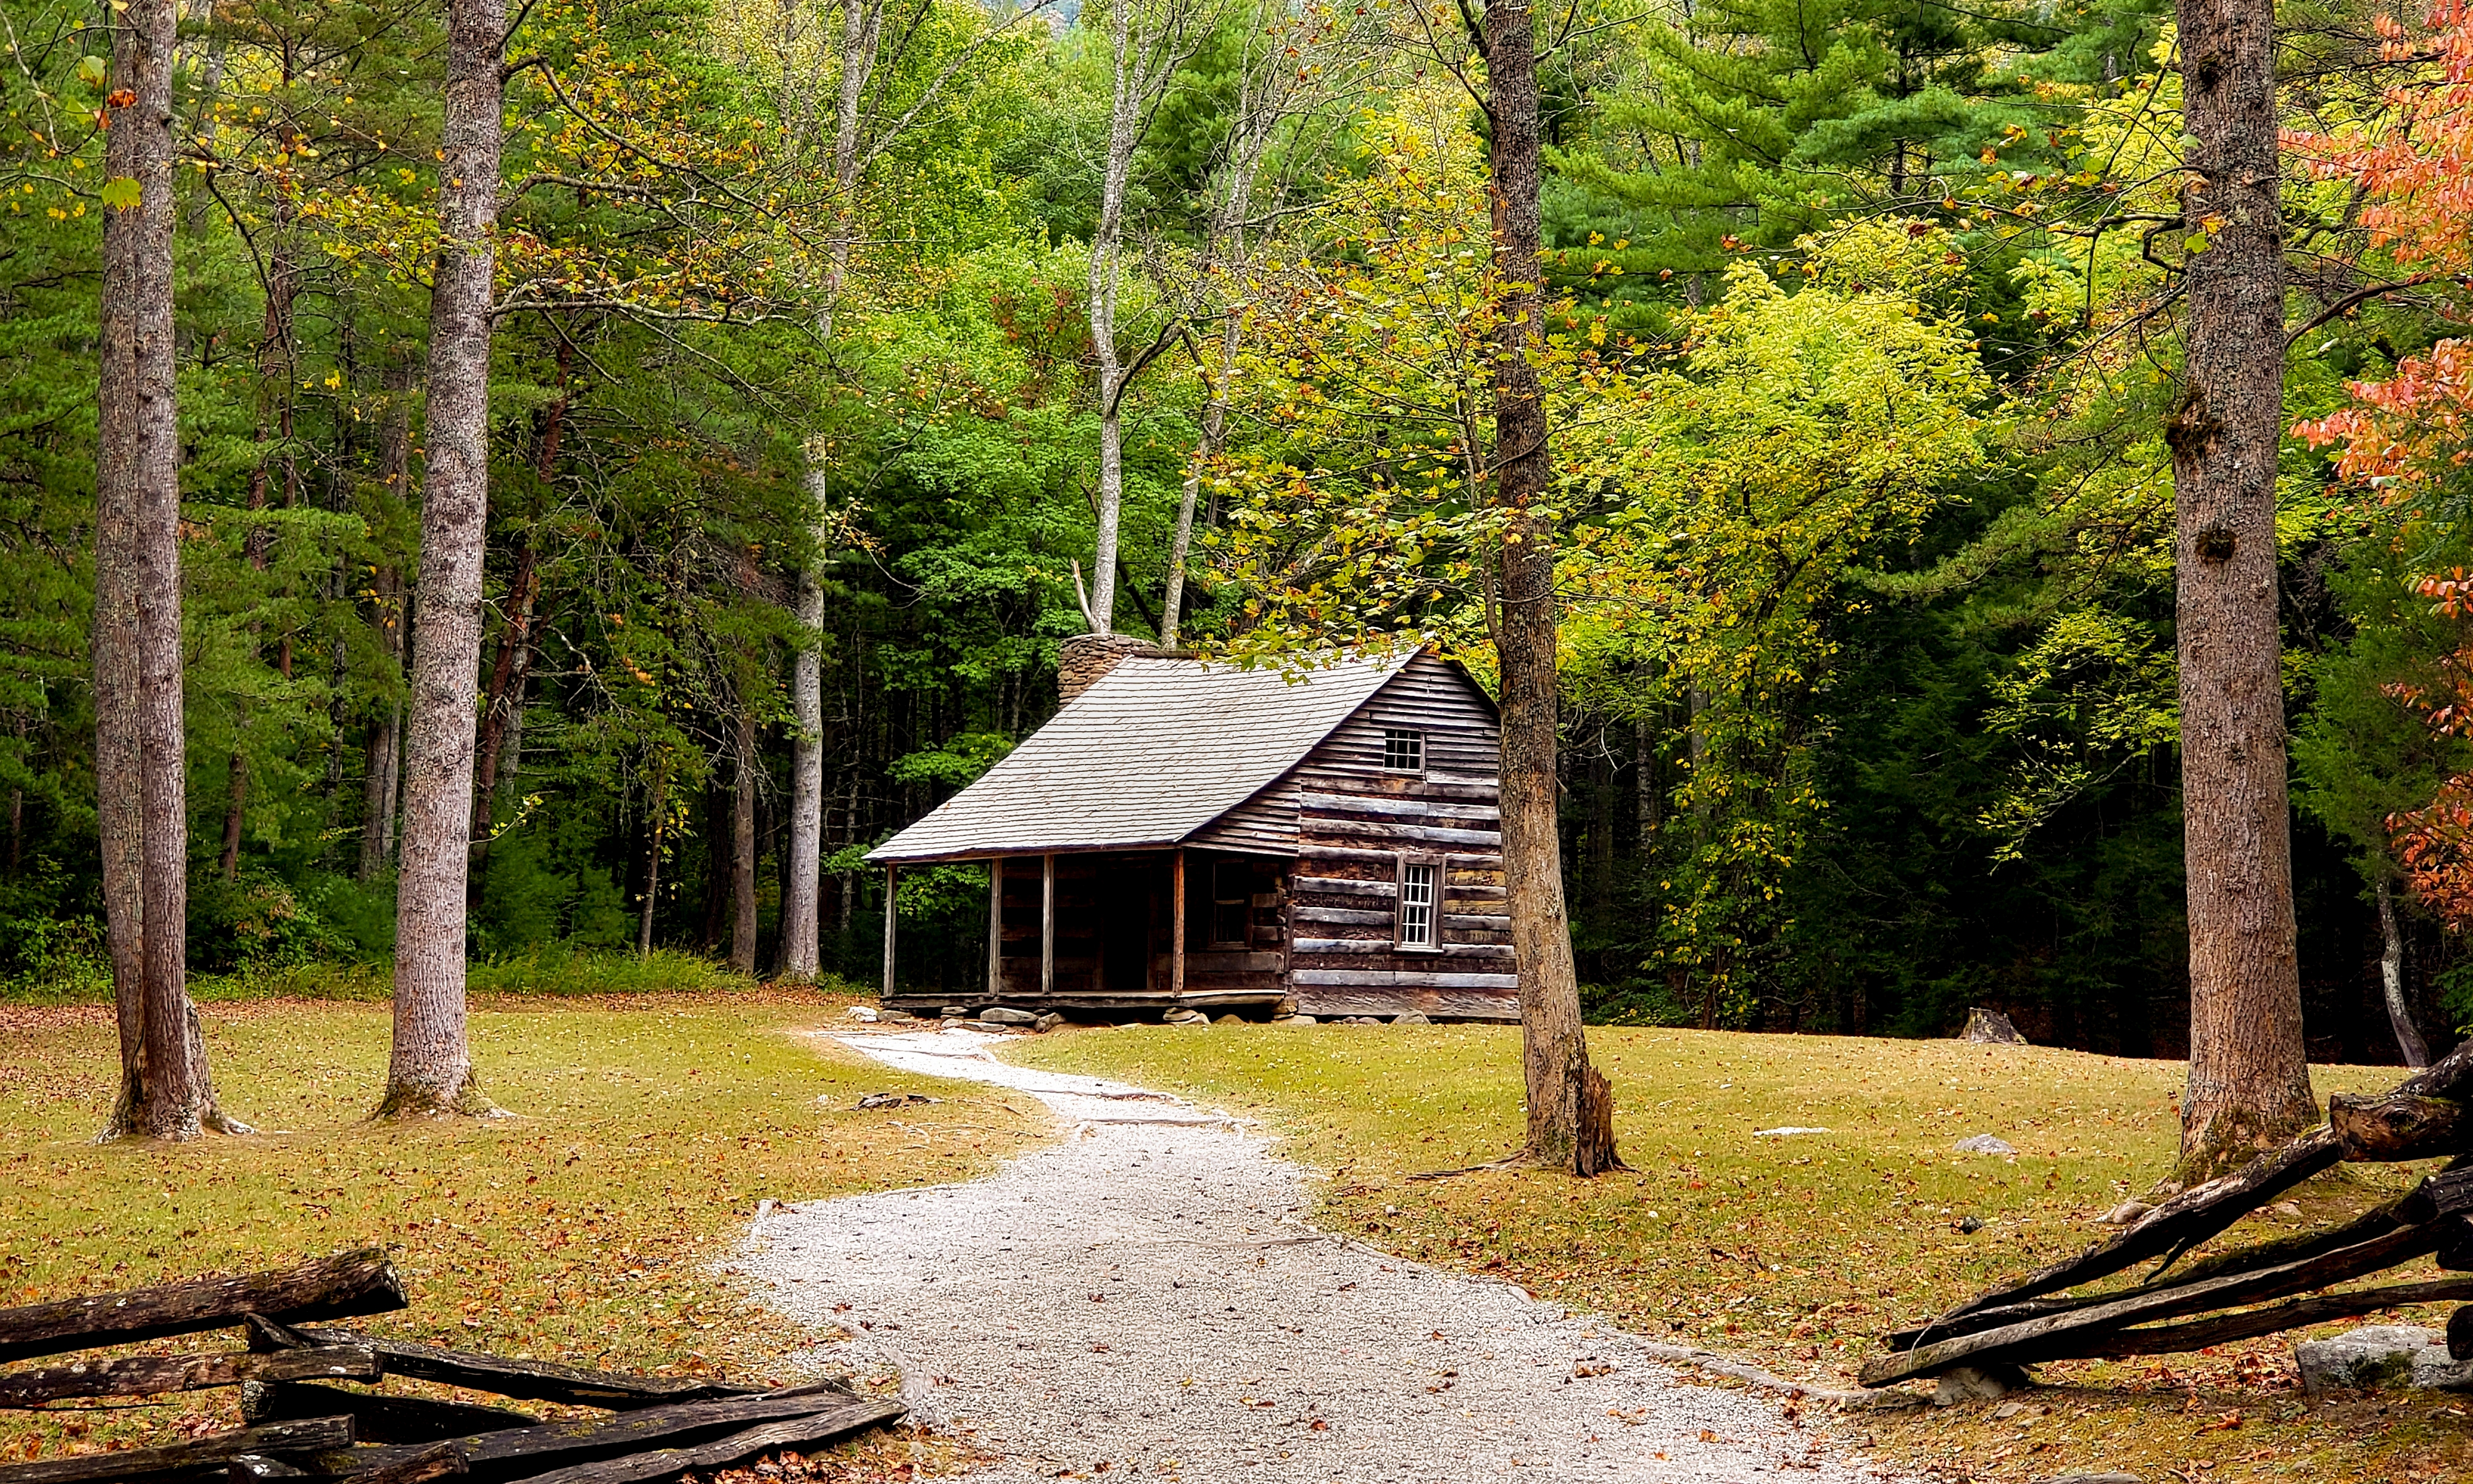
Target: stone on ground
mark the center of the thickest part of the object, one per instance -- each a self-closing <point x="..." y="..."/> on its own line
<point x="2358" y="1359"/>
<point x="865" y="1014"/>
<point x="1983" y="1143"/>
<point x="1977" y="1384"/>
<point x="1047" y="1022"/>
<point x="1294" y="1019"/>
<point x="1412" y="1018"/>
<point x="1006" y="1015"/>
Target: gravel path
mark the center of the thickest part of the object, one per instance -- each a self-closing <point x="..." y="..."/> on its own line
<point x="1145" y="1298"/>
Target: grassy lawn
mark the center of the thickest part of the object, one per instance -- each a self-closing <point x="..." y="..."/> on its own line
<point x="585" y="1227"/>
<point x="1798" y="1252"/>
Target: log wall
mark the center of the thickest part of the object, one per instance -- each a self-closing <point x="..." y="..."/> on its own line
<point x="1356" y="826"/>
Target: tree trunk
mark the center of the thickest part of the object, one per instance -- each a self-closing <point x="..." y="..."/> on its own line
<point x="506" y="678"/>
<point x="1107" y="237"/>
<point x="389" y="614"/>
<point x="1571" y="1108"/>
<point x="742" y="852"/>
<point x="2249" y="1080"/>
<point x="2416" y="1054"/>
<point x="141" y="787"/>
<point x="862" y="30"/>
<point x="653" y="859"/>
<point x="1214" y="422"/>
<point x="431" y="1070"/>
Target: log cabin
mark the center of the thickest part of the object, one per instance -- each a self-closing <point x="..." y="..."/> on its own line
<point x="1195" y="835"/>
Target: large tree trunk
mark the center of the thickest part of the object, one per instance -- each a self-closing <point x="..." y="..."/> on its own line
<point x="742" y="852"/>
<point x="862" y="32"/>
<point x="431" y="1068"/>
<point x="141" y="787"/>
<point x="502" y="695"/>
<point x="1570" y="1109"/>
<point x="2249" y="1080"/>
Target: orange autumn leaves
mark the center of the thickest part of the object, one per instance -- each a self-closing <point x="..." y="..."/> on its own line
<point x="2404" y="435"/>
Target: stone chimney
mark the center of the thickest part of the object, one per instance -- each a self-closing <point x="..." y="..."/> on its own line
<point x="1082" y="659"/>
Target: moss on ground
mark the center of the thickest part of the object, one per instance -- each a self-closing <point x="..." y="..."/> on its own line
<point x="1799" y="1251"/>
<point x="589" y="1227"/>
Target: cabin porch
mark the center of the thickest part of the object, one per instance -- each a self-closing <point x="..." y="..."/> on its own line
<point x="1124" y="930"/>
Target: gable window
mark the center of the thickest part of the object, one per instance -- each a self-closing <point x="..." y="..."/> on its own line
<point x="1419" y="897"/>
<point x="1403" y="751"/>
<point x="1232" y="904"/>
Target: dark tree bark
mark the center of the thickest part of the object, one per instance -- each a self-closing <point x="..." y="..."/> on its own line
<point x="742" y="852"/>
<point x="499" y="700"/>
<point x="2249" y="1079"/>
<point x="431" y="1068"/>
<point x="141" y="789"/>
<point x="1570" y="1109"/>
<point x="389" y="614"/>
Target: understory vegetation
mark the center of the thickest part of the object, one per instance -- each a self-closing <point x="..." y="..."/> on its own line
<point x="1799" y="1251"/>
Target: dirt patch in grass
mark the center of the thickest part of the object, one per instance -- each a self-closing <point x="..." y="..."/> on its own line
<point x="589" y="1227"/>
<point x="1799" y="1249"/>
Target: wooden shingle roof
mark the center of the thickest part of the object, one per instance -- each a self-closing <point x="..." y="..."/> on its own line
<point x="1155" y="751"/>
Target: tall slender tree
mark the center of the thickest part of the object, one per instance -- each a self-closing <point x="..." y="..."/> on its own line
<point x="1148" y="41"/>
<point x="430" y="1071"/>
<point x="2250" y="1076"/>
<point x="141" y="789"/>
<point x="1571" y="1108"/>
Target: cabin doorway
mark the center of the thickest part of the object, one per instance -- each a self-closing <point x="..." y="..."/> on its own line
<point x="1126" y="905"/>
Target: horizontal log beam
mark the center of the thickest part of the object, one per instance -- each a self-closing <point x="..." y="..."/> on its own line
<point x="147" y="1376"/>
<point x="1387" y="945"/>
<point x="2399" y="1126"/>
<point x="531" y="1380"/>
<point x="2224" y="1328"/>
<point x="1401" y="807"/>
<point x="1420" y="834"/>
<point x="347" y="1284"/>
<point x="1401" y="980"/>
<point x="797" y="1432"/>
<point x="523" y="1452"/>
<point x="2061" y="1336"/>
<point x="377" y="1417"/>
<point x="137" y="1463"/>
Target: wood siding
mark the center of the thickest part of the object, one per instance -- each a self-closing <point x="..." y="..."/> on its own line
<point x="1357" y="822"/>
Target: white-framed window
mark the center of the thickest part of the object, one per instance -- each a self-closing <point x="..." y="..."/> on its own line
<point x="1404" y="751"/>
<point x="1421" y="902"/>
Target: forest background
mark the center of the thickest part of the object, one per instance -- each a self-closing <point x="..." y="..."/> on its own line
<point x="1864" y="345"/>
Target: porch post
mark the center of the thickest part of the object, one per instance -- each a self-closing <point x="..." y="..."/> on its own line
<point x="892" y="874"/>
<point x="1176" y="929"/>
<point x="995" y="927"/>
<point x="1046" y="926"/>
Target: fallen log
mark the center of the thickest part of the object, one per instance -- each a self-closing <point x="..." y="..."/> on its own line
<point x="2202" y="1211"/>
<point x="520" y="1452"/>
<point x="2399" y="1126"/>
<point x="377" y="1418"/>
<point x="813" y="1431"/>
<point x="312" y="1436"/>
<point x="531" y="1380"/>
<point x="348" y="1284"/>
<point x="146" y="1376"/>
<point x="434" y="1463"/>
<point x="2060" y="1336"/>
<point x="2275" y="1252"/>
<point x="442" y="1462"/>
<point x="2249" y="1325"/>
